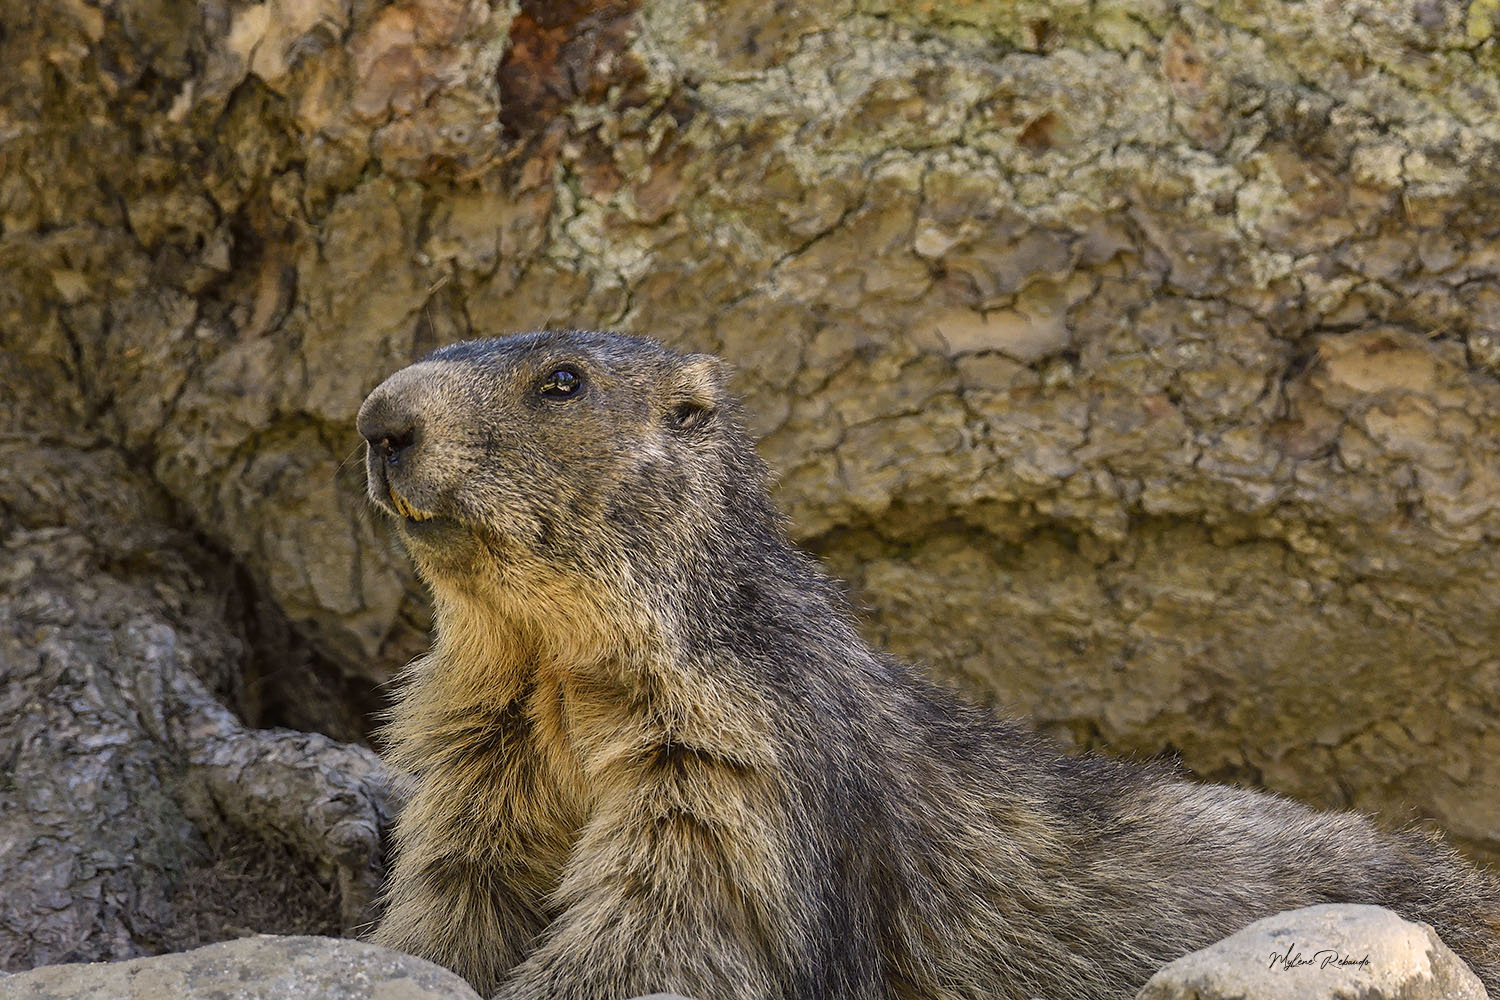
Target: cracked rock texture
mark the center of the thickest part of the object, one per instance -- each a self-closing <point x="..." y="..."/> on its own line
<point x="252" y="968"/>
<point x="1138" y="363"/>
<point x="137" y="812"/>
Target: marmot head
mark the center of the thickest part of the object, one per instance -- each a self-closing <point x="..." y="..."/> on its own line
<point x="534" y="467"/>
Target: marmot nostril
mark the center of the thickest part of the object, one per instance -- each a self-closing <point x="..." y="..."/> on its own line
<point x="391" y="445"/>
<point x="388" y="430"/>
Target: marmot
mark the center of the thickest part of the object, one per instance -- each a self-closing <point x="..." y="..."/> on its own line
<point x="649" y="751"/>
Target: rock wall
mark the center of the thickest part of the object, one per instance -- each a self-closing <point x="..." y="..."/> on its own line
<point x="1136" y="362"/>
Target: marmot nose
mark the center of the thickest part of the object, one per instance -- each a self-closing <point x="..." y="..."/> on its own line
<point x="390" y="429"/>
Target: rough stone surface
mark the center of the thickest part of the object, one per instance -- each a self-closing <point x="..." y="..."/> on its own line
<point x="137" y="813"/>
<point x="252" y="968"/>
<point x="1336" y="952"/>
<point x="1137" y="362"/>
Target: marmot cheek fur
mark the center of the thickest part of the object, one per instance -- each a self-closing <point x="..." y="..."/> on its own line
<point x="650" y="752"/>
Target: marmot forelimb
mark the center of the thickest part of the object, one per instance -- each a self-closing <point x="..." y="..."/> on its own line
<point x="649" y="750"/>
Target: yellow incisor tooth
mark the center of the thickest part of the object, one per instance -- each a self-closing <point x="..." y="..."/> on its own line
<point x="404" y="508"/>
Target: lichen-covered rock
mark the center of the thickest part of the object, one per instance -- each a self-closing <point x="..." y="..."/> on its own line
<point x="252" y="968"/>
<point x="1331" y="952"/>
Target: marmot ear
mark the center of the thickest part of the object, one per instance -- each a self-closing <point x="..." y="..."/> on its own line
<point x="696" y="391"/>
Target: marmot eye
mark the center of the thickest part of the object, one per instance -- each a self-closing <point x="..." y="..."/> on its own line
<point x="562" y="383"/>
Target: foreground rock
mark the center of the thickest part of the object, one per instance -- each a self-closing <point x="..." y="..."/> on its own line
<point x="1321" y="953"/>
<point x="252" y="968"/>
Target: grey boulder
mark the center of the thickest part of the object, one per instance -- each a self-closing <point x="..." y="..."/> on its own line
<point x="1330" y="952"/>
<point x="266" y="967"/>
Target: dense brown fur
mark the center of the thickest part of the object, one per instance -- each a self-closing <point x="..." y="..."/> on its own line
<point x="649" y="751"/>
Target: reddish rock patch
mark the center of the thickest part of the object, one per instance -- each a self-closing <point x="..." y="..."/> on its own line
<point x="562" y="51"/>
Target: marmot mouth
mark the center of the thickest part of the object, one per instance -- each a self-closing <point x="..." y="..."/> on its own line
<point x="405" y="509"/>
